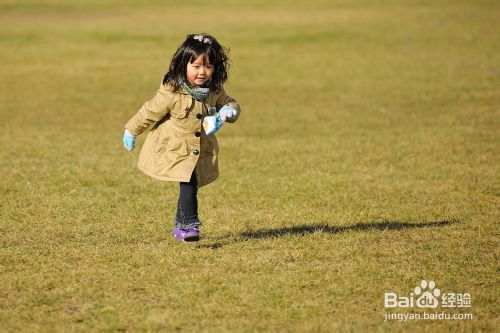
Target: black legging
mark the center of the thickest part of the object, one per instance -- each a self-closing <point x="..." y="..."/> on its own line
<point x="187" y="206"/>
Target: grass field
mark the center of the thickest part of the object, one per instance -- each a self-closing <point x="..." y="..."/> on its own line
<point x="366" y="159"/>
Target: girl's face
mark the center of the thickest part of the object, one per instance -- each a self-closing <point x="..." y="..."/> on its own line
<point x="199" y="71"/>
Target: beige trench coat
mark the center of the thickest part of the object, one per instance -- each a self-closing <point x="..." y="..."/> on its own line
<point x="177" y="143"/>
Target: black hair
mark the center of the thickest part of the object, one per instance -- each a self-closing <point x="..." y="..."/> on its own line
<point x="193" y="46"/>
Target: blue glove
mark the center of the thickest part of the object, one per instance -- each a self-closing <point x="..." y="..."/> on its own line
<point x="212" y="124"/>
<point x="226" y="112"/>
<point x="128" y="140"/>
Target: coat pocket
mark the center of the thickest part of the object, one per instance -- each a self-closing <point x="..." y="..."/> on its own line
<point x="169" y="153"/>
<point x="171" y="147"/>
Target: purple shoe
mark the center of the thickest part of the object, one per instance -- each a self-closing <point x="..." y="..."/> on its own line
<point x="186" y="235"/>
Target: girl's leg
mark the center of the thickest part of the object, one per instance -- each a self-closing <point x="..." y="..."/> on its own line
<point x="187" y="206"/>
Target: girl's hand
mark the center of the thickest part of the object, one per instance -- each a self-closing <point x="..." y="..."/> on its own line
<point x="128" y="140"/>
<point x="226" y="112"/>
<point x="212" y="124"/>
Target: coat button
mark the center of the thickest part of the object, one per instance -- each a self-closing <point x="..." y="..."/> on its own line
<point x="196" y="152"/>
<point x="197" y="134"/>
<point x="199" y="116"/>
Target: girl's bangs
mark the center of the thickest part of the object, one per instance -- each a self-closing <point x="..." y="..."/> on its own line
<point x="208" y="54"/>
<point x="191" y="55"/>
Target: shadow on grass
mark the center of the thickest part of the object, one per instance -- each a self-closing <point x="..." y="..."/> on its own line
<point x="306" y="229"/>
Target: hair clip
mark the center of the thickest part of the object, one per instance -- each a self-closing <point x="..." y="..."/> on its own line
<point x="203" y="39"/>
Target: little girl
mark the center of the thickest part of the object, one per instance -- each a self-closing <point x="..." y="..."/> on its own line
<point x="178" y="148"/>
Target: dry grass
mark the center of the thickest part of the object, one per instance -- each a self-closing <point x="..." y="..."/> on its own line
<point x="365" y="161"/>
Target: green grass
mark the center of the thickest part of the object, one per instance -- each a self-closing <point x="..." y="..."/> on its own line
<point x="365" y="160"/>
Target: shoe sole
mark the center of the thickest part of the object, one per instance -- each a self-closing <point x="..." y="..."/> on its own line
<point x="188" y="239"/>
<point x="192" y="239"/>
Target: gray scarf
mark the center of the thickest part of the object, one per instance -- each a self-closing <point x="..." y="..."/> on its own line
<point x="198" y="93"/>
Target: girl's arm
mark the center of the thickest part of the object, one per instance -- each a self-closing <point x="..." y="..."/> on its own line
<point x="224" y="99"/>
<point x="151" y="112"/>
